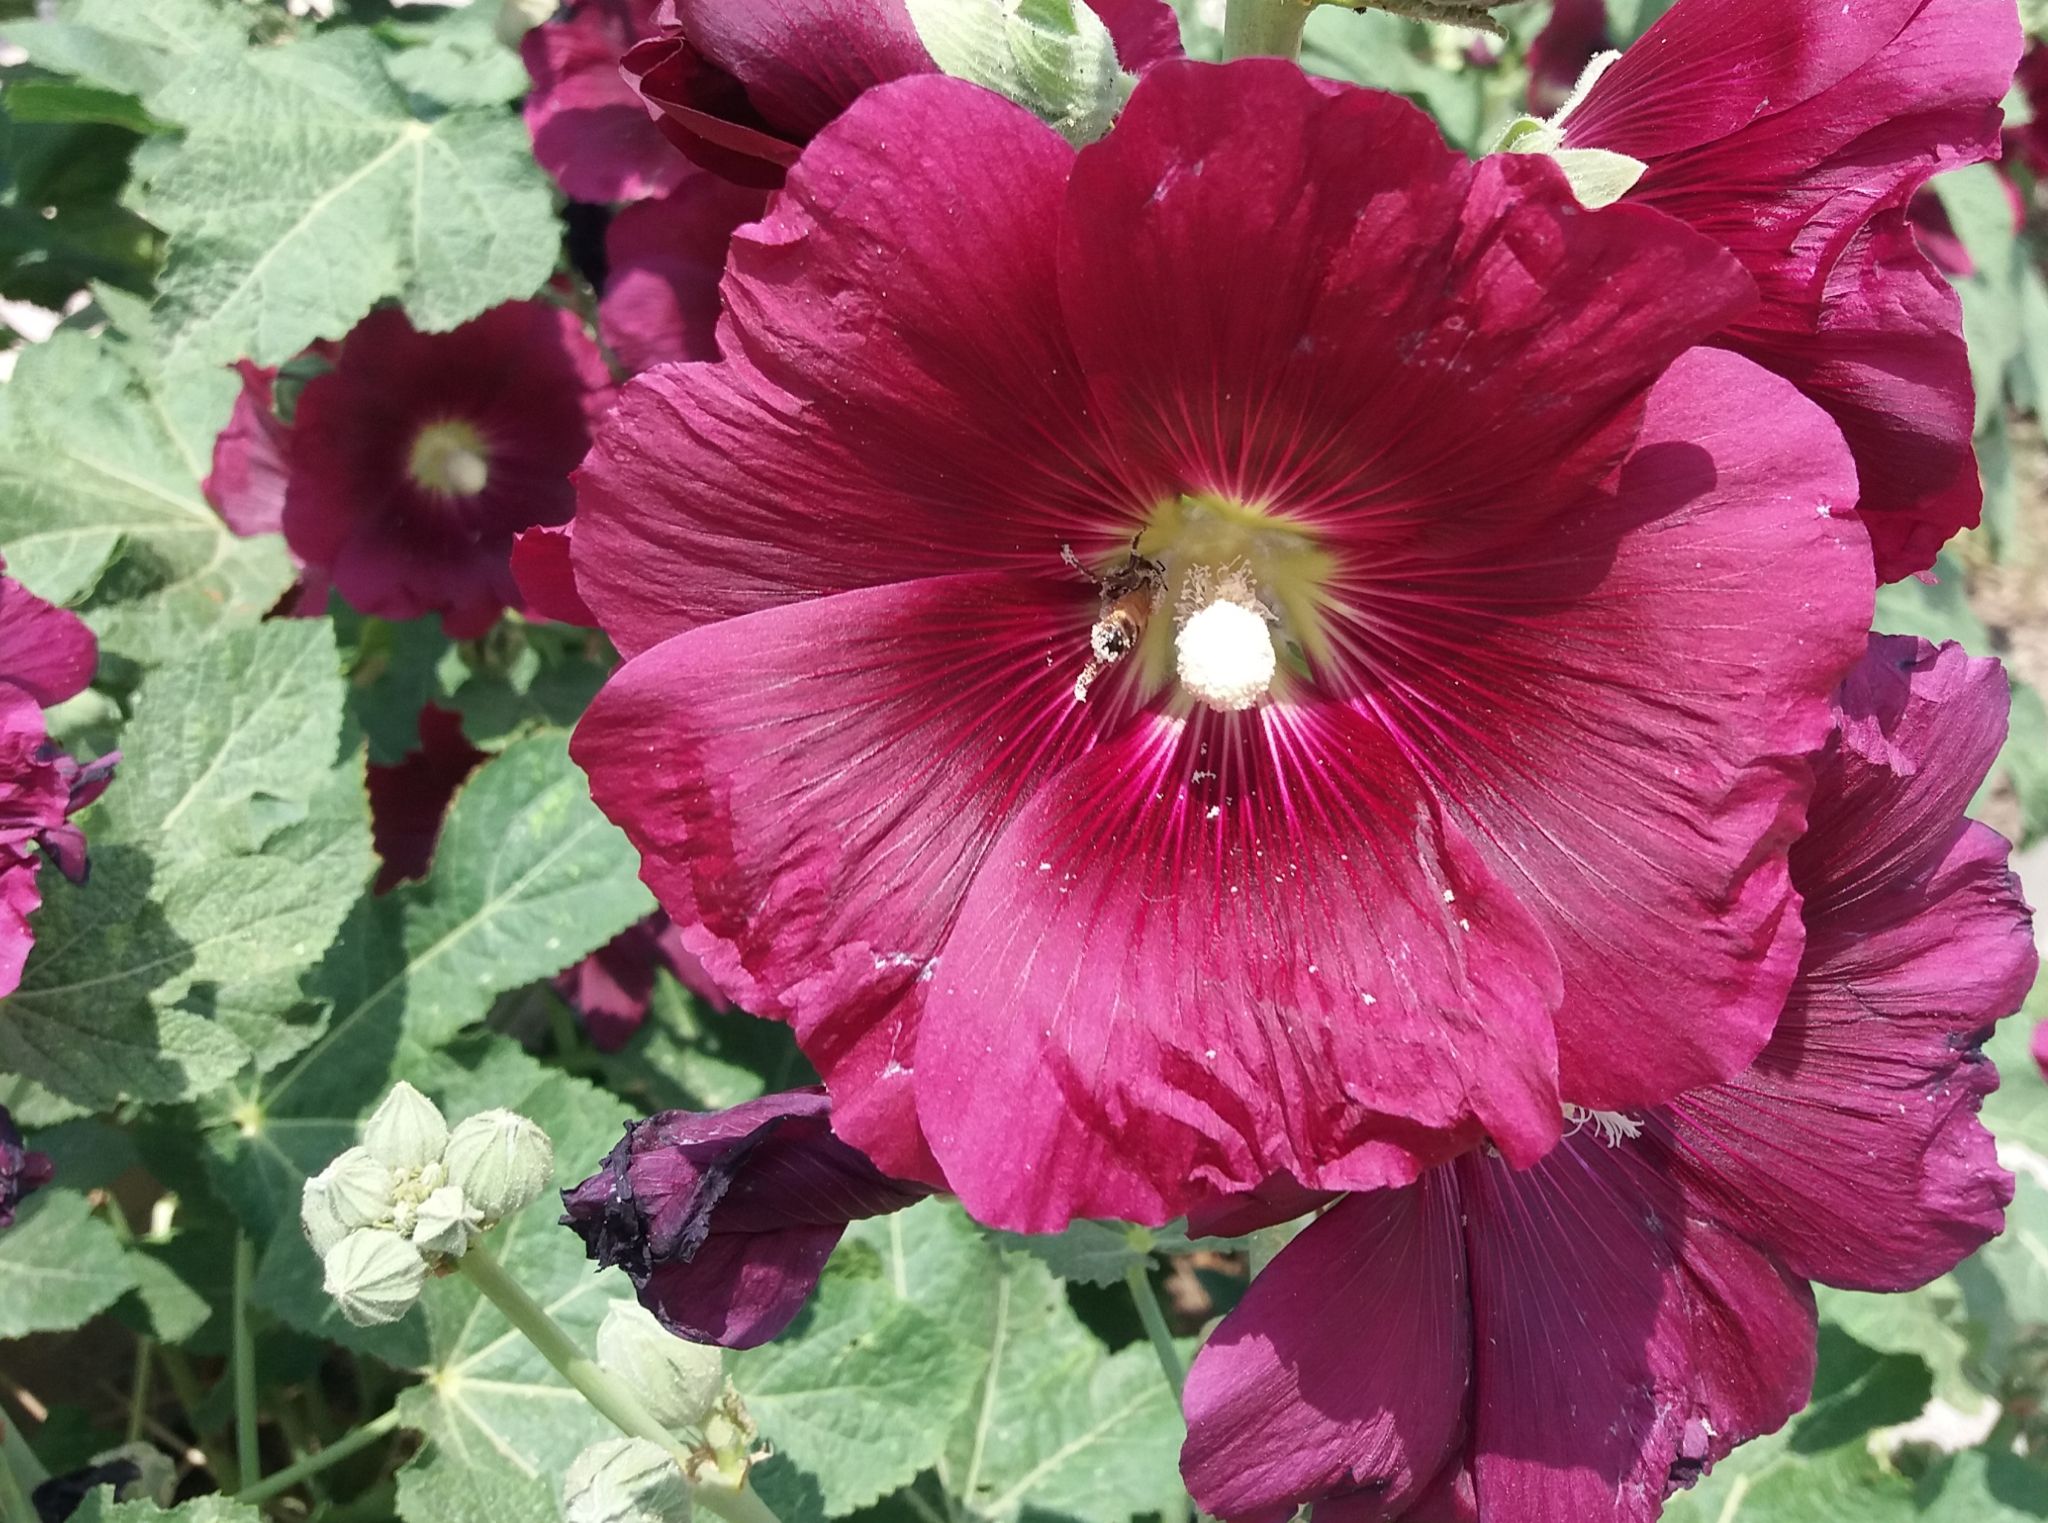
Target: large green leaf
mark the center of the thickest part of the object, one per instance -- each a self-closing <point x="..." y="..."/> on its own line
<point x="226" y="857"/>
<point x="307" y="190"/>
<point x="124" y="46"/>
<point x="59" y="1266"/>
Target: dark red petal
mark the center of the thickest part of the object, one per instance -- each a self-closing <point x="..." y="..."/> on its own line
<point x="896" y="367"/>
<point x="1621" y="1344"/>
<point x="589" y="129"/>
<point x="1345" y="1368"/>
<point x="663" y="259"/>
<point x="1146" y="32"/>
<point x="542" y="567"/>
<point x="811" y="789"/>
<point x="409" y="798"/>
<point x="1621" y="712"/>
<point x="802" y="62"/>
<point x="45" y="651"/>
<point x="1219" y="948"/>
<point x="1294" y="294"/>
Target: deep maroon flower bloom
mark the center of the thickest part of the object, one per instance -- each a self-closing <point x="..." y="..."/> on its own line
<point x="724" y="1220"/>
<point x="46" y="656"/>
<point x="1485" y="644"/>
<point x="1795" y="132"/>
<point x="409" y="798"/>
<point x="1573" y="37"/>
<point x="20" y="1170"/>
<point x="420" y="455"/>
<point x="741" y="85"/>
<point x="589" y="129"/>
<point x="1570" y="1343"/>
<point x="2029" y="143"/>
<point x="612" y="987"/>
<point x="664" y="258"/>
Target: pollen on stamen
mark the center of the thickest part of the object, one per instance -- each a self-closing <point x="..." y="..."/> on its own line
<point x="1223" y="648"/>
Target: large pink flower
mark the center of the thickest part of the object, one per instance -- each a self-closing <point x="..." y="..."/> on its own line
<point x="1795" y="132"/>
<point x="419" y="456"/>
<point x="1569" y="1343"/>
<point x="741" y="85"/>
<point x="589" y="129"/>
<point x="46" y="656"/>
<point x="1487" y="645"/>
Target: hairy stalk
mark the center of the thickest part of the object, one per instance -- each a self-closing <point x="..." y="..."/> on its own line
<point x="619" y="1404"/>
<point x="352" y="1442"/>
<point x="1264" y="28"/>
<point x="248" y="1456"/>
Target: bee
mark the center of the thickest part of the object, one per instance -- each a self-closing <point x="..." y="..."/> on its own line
<point x="1129" y="595"/>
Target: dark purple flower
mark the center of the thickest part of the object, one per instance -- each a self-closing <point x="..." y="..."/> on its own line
<point x="409" y="798"/>
<point x="1572" y="1342"/>
<point x="20" y="1170"/>
<point x="741" y="85"/>
<point x="724" y="1219"/>
<point x="611" y="988"/>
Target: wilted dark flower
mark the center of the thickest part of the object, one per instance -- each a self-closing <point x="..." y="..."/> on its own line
<point x="724" y="1219"/>
<point x="20" y="1170"/>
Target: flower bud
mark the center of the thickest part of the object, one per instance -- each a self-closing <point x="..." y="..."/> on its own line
<point x="500" y="1161"/>
<point x="446" y="1224"/>
<point x="625" y="1480"/>
<point x="679" y="1381"/>
<point x="317" y="1215"/>
<point x="375" y="1276"/>
<point x="406" y="1131"/>
<point x="357" y="1187"/>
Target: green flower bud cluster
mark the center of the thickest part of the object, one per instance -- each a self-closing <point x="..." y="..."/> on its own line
<point x="625" y="1480"/>
<point x="413" y="1195"/>
<point x="683" y="1387"/>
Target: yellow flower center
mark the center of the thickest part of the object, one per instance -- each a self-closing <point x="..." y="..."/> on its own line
<point x="450" y="458"/>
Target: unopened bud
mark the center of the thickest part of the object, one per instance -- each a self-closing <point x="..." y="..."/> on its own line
<point x="317" y="1214"/>
<point x="679" y="1381"/>
<point x="500" y="1161"/>
<point x="374" y="1276"/>
<point x="446" y="1224"/>
<point x="357" y="1189"/>
<point x="625" y="1480"/>
<point x="406" y="1131"/>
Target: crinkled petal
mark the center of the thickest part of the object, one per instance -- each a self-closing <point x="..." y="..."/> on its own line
<point x="20" y="897"/>
<point x="1222" y="947"/>
<point x="1621" y="713"/>
<point x="1294" y="293"/>
<point x="45" y="651"/>
<point x="1344" y="1370"/>
<point x="1622" y="1345"/>
<point x="895" y="363"/>
<point x="811" y="789"/>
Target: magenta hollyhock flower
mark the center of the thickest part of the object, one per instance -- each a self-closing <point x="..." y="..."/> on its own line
<point x="20" y="1170"/>
<point x="612" y="987"/>
<point x="419" y="456"/>
<point x="1448" y="648"/>
<point x="1795" y="132"/>
<point x="46" y="656"/>
<point x="1574" y="35"/>
<point x="1569" y="1343"/>
<point x="409" y="798"/>
<point x="2040" y="1047"/>
<point x="741" y="85"/>
<point x="663" y="259"/>
<point x="251" y="461"/>
<point x="589" y="129"/>
<point x="724" y="1219"/>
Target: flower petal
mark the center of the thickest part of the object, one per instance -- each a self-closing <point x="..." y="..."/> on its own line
<point x="1222" y="947"/>
<point x="812" y="787"/>
<point x="895" y="363"/>
<point x="246" y="485"/>
<point x="663" y="259"/>
<point x="45" y="651"/>
<point x="1620" y="716"/>
<point x="589" y="129"/>
<point x="1345" y="1368"/>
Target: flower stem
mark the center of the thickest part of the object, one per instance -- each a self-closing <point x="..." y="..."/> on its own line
<point x="1265" y="28"/>
<point x="616" y="1401"/>
<point x="1155" y="1326"/>
<point x="352" y="1442"/>
<point x="248" y="1456"/>
<point x="20" y="1473"/>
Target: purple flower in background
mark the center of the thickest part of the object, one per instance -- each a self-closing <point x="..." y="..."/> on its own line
<point x="612" y="987"/>
<point x="724" y="1219"/>
<point x="20" y="1170"/>
<point x="1571" y="1343"/>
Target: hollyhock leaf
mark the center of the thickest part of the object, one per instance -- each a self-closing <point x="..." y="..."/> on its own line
<point x="1373" y="48"/>
<point x="2017" y="1261"/>
<point x="1983" y="1486"/>
<point x="1932" y="1324"/>
<point x="455" y="58"/>
<point x="363" y="200"/>
<point x="1101" y="1253"/>
<point x="60" y="1265"/>
<point x="2017" y="1111"/>
<point x="100" y="1507"/>
<point x="102" y="451"/>
<point x="1055" y="58"/>
<point x="1856" y="1389"/>
<point x="1981" y="213"/>
<point x="215" y="883"/>
<point x="125" y="47"/>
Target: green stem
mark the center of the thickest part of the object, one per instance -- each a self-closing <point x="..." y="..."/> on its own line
<point x="185" y="1386"/>
<point x="138" y="1386"/>
<point x="1155" y="1326"/>
<point x="1264" y="28"/>
<point x="619" y="1404"/>
<point x="248" y="1456"/>
<point x="352" y="1442"/>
